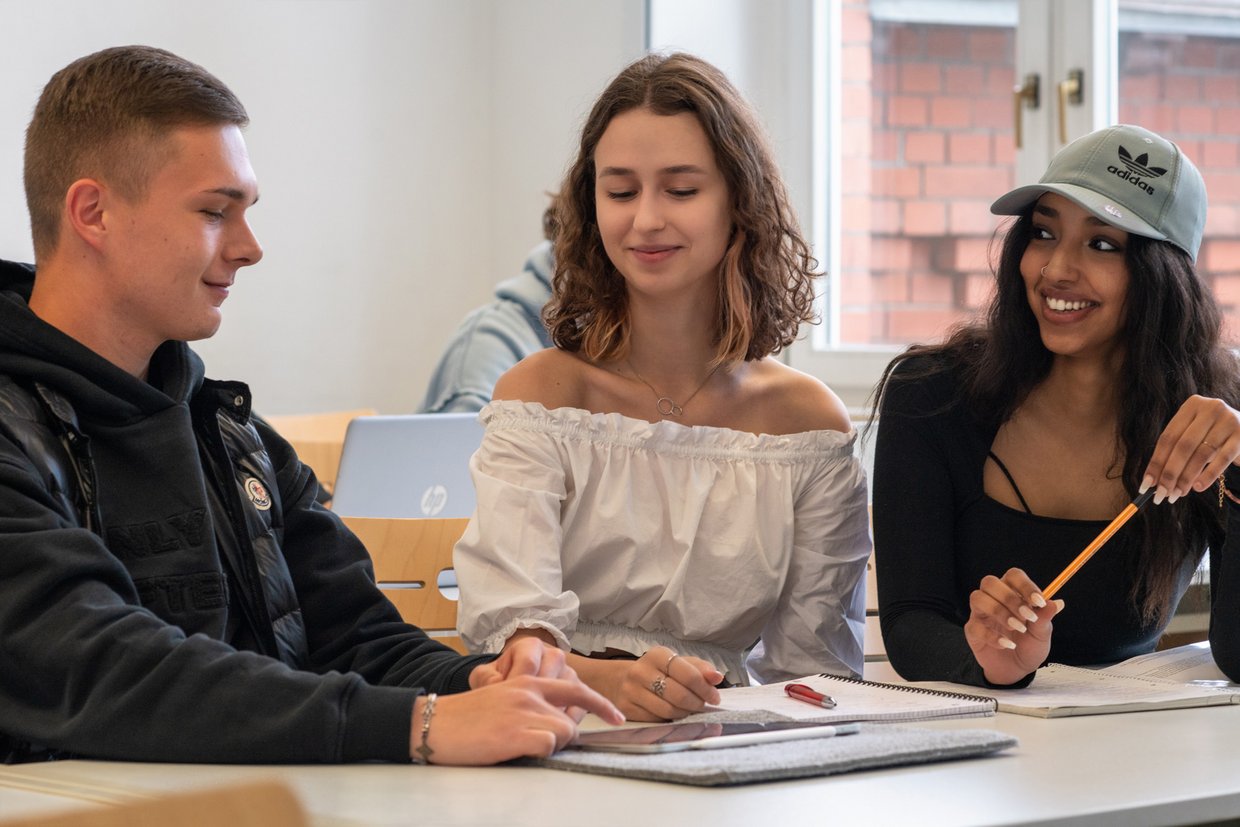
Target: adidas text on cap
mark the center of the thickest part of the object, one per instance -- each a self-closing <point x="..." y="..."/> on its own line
<point x="1128" y="177"/>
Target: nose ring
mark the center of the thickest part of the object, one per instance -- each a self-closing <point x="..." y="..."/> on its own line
<point x="1043" y="272"/>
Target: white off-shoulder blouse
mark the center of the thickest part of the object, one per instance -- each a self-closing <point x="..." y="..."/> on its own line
<point x="612" y="532"/>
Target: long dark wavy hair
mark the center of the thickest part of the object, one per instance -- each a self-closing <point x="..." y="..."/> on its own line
<point x="1173" y="330"/>
<point x="767" y="272"/>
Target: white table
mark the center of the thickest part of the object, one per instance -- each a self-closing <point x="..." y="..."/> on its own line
<point x="1169" y="767"/>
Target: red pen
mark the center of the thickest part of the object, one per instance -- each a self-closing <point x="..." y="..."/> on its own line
<point x="801" y="692"/>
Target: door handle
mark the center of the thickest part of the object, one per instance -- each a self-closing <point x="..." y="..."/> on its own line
<point x="1071" y="91"/>
<point x="1025" y="96"/>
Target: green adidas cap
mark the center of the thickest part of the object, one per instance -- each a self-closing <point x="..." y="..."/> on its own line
<point x="1128" y="177"/>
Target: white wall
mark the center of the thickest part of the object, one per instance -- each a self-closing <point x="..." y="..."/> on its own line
<point x="402" y="149"/>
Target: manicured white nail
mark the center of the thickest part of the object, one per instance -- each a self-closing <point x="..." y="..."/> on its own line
<point x="1160" y="495"/>
<point x="1037" y="600"/>
<point x="1004" y="643"/>
<point x="1058" y="606"/>
<point x="1146" y="483"/>
<point x="1016" y="626"/>
<point x="1027" y="614"/>
<point x="1173" y="498"/>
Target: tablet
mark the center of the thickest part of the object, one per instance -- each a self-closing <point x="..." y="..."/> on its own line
<point x="676" y="737"/>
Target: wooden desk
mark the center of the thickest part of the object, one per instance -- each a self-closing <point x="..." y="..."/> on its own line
<point x="1154" y="768"/>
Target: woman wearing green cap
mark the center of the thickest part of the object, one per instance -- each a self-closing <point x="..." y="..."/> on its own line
<point x="1097" y="375"/>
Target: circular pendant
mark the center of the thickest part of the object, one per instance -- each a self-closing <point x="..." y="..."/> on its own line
<point x="667" y="407"/>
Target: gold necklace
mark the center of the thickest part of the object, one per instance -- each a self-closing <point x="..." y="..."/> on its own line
<point x="665" y="405"/>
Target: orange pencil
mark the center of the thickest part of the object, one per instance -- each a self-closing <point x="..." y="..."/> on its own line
<point x="1123" y="517"/>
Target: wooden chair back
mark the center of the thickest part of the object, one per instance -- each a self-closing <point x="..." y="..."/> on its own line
<point x="318" y="439"/>
<point x="249" y="804"/>
<point x="409" y="554"/>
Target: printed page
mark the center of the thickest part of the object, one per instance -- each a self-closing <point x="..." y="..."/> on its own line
<point x="855" y="701"/>
<point x="1181" y="664"/>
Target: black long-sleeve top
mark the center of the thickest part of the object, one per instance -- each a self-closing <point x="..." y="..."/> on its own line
<point x="937" y="534"/>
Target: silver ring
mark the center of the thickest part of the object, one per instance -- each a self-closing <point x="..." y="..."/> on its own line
<point x="667" y="667"/>
<point x="658" y="685"/>
<point x="1209" y="445"/>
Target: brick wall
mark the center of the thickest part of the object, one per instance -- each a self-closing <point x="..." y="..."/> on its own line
<point x="928" y="143"/>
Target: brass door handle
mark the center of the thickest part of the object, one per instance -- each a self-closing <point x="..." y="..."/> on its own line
<point x="1027" y="95"/>
<point x="1071" y="91"/>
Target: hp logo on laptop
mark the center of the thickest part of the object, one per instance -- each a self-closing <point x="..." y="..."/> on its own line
<point x="434" y="499"/>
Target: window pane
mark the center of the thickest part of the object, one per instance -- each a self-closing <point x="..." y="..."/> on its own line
<point x="927" y="144"/>
<point x="1179" y="75"/>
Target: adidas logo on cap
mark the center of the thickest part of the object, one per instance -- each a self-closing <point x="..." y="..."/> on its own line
<point x="1137" y="169"/>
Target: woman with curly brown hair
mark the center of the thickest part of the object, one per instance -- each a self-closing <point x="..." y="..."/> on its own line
<point x="656" y="493"/>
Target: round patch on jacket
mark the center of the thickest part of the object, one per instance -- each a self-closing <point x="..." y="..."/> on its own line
<point x="257" y="493"/>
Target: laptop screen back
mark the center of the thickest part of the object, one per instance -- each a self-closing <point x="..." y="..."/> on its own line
<point x="410" y="465"/>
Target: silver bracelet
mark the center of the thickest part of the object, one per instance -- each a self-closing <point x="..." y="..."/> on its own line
<point x="423" y="751"/>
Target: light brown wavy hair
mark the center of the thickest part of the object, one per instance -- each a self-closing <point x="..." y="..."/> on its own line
<point x="766" y="275"/>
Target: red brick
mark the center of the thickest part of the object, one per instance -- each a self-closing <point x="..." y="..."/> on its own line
<point x="959" y="180"/>
<point x="856" y="64"/>
<point x="1181" y="88"/>
<point x="991" y="45"/>
<point x="1158" y="117"/>
<point x="1221" y="256"/>
<point x="1203" y="55"/>
<point x="855" y="328"/>
<point x="896" y="182"/>
<point x="889" y="288"/>
<point x="970" y="217"/>
<point x="1227" y="120"/>
<point x="1129" y="111"/>
<point x="920" y="79"/>
<point x="946" y="42"/>
<point x="1216" y="88"/>
<point x="1191" y="148"/>
<point x="855" y="179"/>
<point x="904" y="110"/>
<point x="968" y="148"/>
<point x="979" y="289"/>
<point x="886" y="215"/>
<point x="906" y="40"/>
<point x="884" y="144"/>
<point x="964" y="80"/>
<point x="1224" y="186"/>
<point x="922" y="326"/>
<point x="933" y="288"/>
<point x="856" y="287"/>
<point x="1227" y="291"/>
<point x="1004" y="145"/>
<point x="924" y="147"/>
<point x="1221" y="219"/>
<point x="1143" y="87"/>
<point x="925" y="218"/>
<point x="999" y="83"/>
<point x="997" y="116"/>
<point x="856" y="249"/>
<point x="856" y="101"/>
<point x="969" y="254"/>
<point x="890" y="253"/>
<point x="1195" y="119"/>
<point x="855" y="24"/>
<point x="951" y="112"/>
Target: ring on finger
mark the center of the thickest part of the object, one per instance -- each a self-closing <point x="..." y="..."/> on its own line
<point x="1209" y="445"/>
<point x="658" y="685"/>
<point x="667" y="667"/>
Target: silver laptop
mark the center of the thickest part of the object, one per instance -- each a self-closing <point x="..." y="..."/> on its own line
<point x="414" y="465"/>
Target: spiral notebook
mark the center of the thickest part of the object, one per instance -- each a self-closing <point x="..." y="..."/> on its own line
<point x="855" y="700"/>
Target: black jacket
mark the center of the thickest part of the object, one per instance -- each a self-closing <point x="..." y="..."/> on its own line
<point x="169" y="588"/>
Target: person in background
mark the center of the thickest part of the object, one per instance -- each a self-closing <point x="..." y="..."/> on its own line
<point x="656" y="492"/>
<point x="494" y="337"/>
<point x="1098" y="374"/>
<point x="169" y="588"/>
